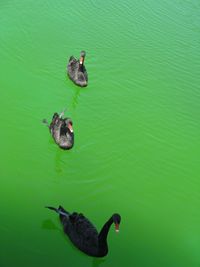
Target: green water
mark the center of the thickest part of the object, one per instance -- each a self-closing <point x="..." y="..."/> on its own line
<point x="136" y="130"/>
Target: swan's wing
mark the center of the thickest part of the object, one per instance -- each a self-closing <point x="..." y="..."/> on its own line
<point x="67" y="140"/>
<point x="81" y="76"/>
<point x="82" y="224"/>
<point x="72" y="66"/>
<point x="55" y="128"/>
<point x="85" y="73"/>
<point x="81" y="79"/>
<point x="83" y="233"/>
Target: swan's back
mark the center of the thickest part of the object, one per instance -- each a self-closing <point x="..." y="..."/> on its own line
<point x="81" y="232"/>
<point x="78" y="76"/>
<point x="72" y="67"/>
<point x="66" y="141"/>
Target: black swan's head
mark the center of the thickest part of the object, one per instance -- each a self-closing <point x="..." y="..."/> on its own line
<point x="116" y="219"/>
<point x="82" y="57"/>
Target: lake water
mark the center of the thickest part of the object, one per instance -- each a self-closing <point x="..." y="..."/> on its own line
<point x="137" y="145"/>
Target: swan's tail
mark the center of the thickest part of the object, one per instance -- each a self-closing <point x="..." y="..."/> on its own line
<point x="59" y="210"/>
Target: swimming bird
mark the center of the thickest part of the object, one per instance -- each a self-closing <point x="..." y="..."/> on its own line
<point x="77" y="71"/>
<point x="62" y="131"/>
<point x="83" y="233"/>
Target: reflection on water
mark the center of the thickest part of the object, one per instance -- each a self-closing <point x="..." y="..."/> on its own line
<point x="49" y="225"/>
<point x="97" y="262"/>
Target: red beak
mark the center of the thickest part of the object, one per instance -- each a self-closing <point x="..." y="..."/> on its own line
<point x="81" y="60"/>
<point x="70" y="127"/>
<point x="117" y="227"/>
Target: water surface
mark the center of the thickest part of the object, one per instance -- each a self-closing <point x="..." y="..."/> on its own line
<point x="136" y="130"/>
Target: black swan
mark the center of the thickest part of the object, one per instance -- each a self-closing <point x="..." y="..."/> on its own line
<point x="83" y="234"/>
<point x="61" y="130"/>
<point x="77" y="71"/>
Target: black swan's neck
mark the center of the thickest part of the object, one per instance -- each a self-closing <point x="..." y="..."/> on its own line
<point x="82" y="58"/>
<point x="103" y="247"/>
<point x="81" y="63"/>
